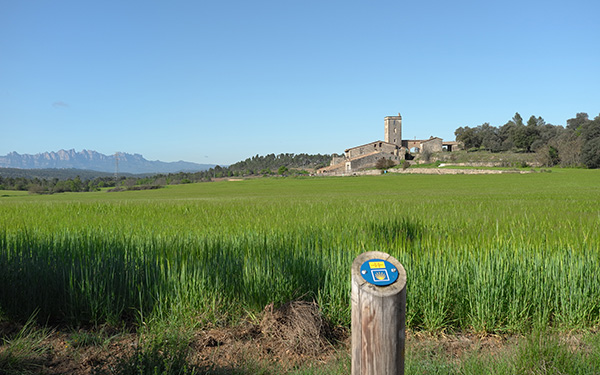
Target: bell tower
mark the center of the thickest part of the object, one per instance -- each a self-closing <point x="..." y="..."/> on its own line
<point x="393" y="130"/>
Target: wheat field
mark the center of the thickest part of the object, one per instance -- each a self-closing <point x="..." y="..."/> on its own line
<point x="483" y="253"/>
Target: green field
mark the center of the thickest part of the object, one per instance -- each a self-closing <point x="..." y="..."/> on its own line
<point x="483" y="253"/>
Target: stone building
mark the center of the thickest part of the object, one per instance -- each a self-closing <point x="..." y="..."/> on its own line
<point x="367" y="155"/>
<point x="451" y="146"/>
<point x="433" y="144"/>
<point x="392" y="148"/>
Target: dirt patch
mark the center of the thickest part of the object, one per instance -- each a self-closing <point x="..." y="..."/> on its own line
<point x="289" y="336"/>
<point x="296" y="327"/>
<point x="458" y="344"/>
<point x="68" y="358"/>
<point x="292" y="336"/>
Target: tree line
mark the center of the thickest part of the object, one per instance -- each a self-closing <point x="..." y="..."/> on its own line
<point x="577" y="144"/>
<point x="55" y="184"/>
<point x="271" y="164"/>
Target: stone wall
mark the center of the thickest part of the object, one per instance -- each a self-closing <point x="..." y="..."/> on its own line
<point x="369" y="148"/>
<point x="438" y="171"/>
<point x="369" y="161"/>
<point x="337" y="160"/>
<point x="432" y="145"/>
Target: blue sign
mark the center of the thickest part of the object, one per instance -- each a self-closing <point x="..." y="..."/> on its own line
<point x="379" y="272"/>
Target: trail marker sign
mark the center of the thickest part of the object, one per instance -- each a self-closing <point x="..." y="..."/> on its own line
<point x="379" y="272"/>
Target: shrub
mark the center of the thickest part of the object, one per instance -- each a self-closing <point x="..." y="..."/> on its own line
<point x="384" y="163"/>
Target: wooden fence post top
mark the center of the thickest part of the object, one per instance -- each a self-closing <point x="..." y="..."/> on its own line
<point x="380" y="291"/>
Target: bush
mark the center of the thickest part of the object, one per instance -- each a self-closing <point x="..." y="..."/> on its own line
<point x="37" y="189"/>
<point x="384" y="163"/>
<point x="282" y="170"/>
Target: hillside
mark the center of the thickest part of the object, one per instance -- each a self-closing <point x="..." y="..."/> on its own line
<point x="51" y="173"/>
<point x="273" y="162"/>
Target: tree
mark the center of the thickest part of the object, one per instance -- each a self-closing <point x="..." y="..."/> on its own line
<point x="517" y="119"/>
<point x="546" y="133"/>
<point x="590" y="138"/>
<point x="590" y="153"/>
<point x="509" y="132"/>
<point x="490" y="140"/>
<point x="61" y="187"/>
<point x="580" y="119"/>
<point x="548" y="156"/>
<point x="524" y="136"/>
<point x="553" y="155"/>
<point x="468" y="136"/>
<point x="590" y="129"/>
<point x="76" y="184"/>
<point x="568" y="145"/>
<point x="505" y="132"/>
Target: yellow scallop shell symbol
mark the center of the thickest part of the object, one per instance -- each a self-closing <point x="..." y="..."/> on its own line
<point x="380" y="275"/>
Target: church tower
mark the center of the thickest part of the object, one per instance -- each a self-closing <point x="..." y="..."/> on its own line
<point x="393" y="130"/>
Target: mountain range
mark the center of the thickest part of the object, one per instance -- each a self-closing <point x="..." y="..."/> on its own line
<point x="95" y="161"/>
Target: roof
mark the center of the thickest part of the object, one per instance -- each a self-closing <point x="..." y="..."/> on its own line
<point x="364" y="155"/>
<point x="367" y="144"/>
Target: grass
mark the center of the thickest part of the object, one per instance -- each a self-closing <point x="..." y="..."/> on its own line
<point x="484" y="253"/>
<point x="538" y="353"/>
<point x="26" y="351"/>
<point x="541" y="352"/>
<point x="501" y="254"/>
<point x="162" y="348"/>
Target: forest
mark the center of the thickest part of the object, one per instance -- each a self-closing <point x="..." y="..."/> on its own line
<point x="577" y="144"/>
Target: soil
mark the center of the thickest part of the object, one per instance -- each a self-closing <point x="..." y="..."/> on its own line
<point x="290" y="336"/>
<point x="233" y="347"/>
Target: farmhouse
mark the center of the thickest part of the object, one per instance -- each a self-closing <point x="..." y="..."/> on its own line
<point x="392" y="148"/>
<point x="433" y="144"/>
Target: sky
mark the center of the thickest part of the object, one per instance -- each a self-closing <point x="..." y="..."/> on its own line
<point x="216" y="82"/>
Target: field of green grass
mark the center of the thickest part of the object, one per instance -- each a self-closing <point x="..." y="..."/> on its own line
<point x="483" y="253"/>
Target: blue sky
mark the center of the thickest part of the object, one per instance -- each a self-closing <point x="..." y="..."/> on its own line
<point x="217" y="82"/>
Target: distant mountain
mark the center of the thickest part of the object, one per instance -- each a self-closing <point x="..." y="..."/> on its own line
<point x="95" y="161"/>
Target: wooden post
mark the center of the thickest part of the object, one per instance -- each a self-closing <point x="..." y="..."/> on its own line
<point x="378" y="317"/>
